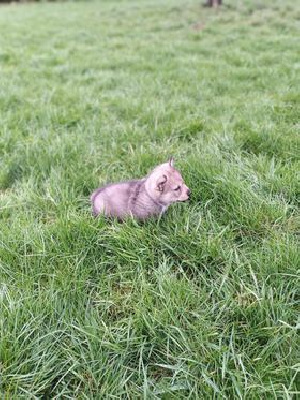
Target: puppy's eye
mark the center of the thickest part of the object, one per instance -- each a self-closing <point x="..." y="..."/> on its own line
<point x="178" y="188"/>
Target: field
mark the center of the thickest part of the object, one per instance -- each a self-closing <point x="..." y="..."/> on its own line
<point x="201" y="304"/>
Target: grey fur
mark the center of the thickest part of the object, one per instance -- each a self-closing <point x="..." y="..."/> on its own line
<point x="142" y="198"/>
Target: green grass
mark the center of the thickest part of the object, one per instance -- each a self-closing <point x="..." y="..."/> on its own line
<point x="201" y="304"/>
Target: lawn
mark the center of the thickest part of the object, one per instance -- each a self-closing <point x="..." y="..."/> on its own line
<point x="201" y="304"/>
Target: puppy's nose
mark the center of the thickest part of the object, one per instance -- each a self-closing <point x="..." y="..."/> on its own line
<point x="188" y="192"/>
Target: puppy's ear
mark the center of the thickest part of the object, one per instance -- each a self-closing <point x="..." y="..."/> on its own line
<point x="161" y="182"/>
<point x="171" y="162"/>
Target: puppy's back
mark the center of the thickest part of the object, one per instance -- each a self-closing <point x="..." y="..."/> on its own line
<point x="113" y="199"/>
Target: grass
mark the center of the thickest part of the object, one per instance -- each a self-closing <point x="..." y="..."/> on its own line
<point x="201" y="304"/>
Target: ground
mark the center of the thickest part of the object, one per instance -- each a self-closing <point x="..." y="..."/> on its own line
<point x="202" y="303"/>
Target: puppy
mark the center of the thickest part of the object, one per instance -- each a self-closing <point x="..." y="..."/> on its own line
<point x="150" y="196"/>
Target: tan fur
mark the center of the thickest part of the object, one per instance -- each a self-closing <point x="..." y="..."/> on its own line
<point x="142" y="198"/>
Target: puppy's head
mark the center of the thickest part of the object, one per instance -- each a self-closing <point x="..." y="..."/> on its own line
<point x="165" y="184"/>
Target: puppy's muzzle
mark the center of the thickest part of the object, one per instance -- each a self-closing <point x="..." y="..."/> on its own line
<point x="188" y="193"/>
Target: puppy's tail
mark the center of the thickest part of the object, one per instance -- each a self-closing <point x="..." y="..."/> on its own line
<point x="93" y="197"/>
<point x="95" y="194"/>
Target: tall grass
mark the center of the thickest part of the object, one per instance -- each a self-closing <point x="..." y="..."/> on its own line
<point x="203" y="302"/>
